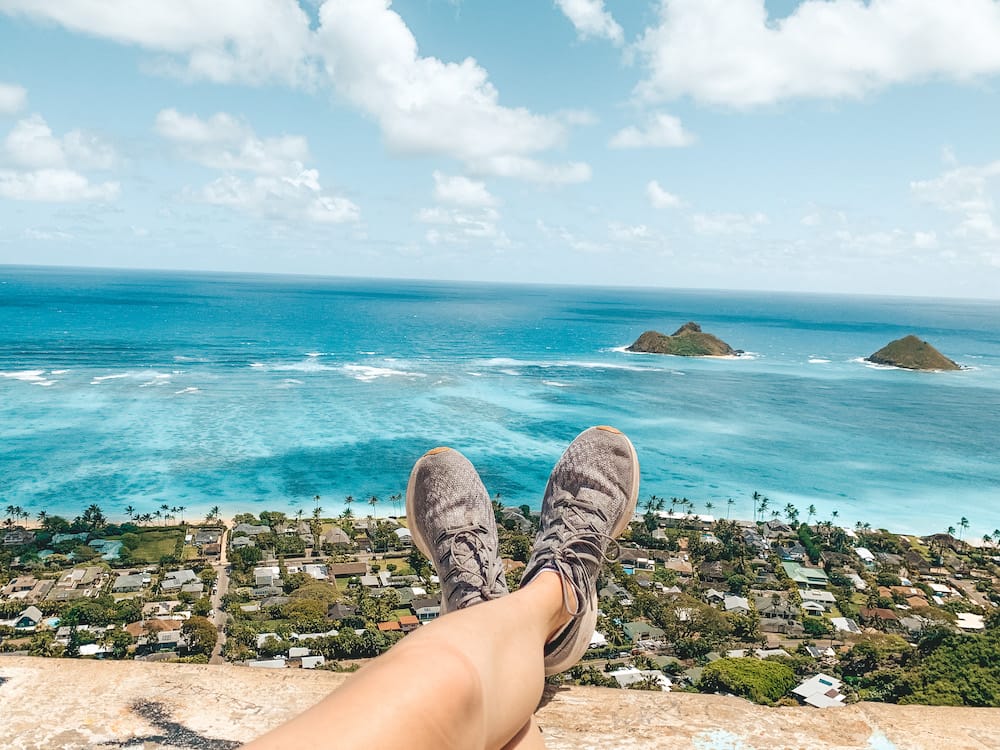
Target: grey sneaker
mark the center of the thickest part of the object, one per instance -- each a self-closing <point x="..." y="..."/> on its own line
<point x="589" y="500"/>
<point x="451" y="519"/>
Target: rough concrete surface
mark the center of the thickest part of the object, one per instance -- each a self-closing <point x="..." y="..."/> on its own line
<point x="53" y="704"/>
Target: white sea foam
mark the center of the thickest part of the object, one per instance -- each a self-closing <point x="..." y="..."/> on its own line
<point x="191" y="389"/>
<point x="308" y="365"/>
<point x="98" y="379"/>
<point x="555" y="384"/>
<point x="58" y="372"/>
<point x="474" y="374"/>
<point x="367" y="373"/>
<point x="35" y="377"/>
<point x="818" y="361"/>
<point x="511" y="372"/>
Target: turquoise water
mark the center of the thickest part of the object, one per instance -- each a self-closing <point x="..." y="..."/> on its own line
<point x="140" y="388"/>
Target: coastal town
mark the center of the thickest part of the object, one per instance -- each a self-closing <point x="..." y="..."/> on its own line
<point x="781" y="609"/>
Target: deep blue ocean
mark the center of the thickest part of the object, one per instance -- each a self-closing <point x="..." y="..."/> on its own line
<point x="253" y="392"/>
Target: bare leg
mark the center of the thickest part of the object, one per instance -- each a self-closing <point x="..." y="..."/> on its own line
<point x="471" y="679"/>
<point x="529" y="738"/>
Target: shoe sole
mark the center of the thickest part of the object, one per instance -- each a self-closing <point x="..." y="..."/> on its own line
<point x="588" y="621"/>
<point x="411" y="514"/>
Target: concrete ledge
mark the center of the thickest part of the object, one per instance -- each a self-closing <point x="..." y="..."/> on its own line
<point x="50" y="704"/>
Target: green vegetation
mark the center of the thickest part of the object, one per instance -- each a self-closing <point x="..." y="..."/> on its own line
<point x="762" y="681"/>
<point x="686" y="341"/>
<point x="912" y="353"/>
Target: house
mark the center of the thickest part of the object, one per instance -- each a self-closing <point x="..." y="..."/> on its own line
<point x="823" y="598"/>
<point x="263" y="638"/>
<point x="278" y="663"/>
<point x="20" y="584"/>
<point x="845" y="625"/>
<point x="250" y="530"/>
<point x="513" y="517"/>
<point x="129" y="582"/>
<point x="426" y="614"/>
<point x="679" y="565"/>
<point x="392" y="625"/>
<point x="820" y="691"/>
<point x="170" y="640"/>
<point x="813" y="608"/>
<point x="18" y="537"/>
<point x="857" y="582"/>
<point x="409" y="623"/>
<point x="143" y="627"/>
<point x="598" y="640"/>
<point x="336" y="538"/>
<point x="175" y="579"/>
<point x="642" y="631"/>
<point x="339" y="611"/>
<point x="267" y="575"/>
<point x="404" y="537"/>
<point x="764" y="653"/>
<point x="312" y="662"/>
<point x="107" y="549"/>
<point x="346" y="570"/>
<point x="793" y="552"/>
<point x="630" y="676"/>
<point x="877" y="616"/>
<point x="60" y="538"/>
<point x="713" y="572"/>
<point x="970" y="622"/>
<point x="297" y="652"/>
<point x="775" y="607"/>
<point x="915" y="625"/>
<point x="736" y="604"/>
<point x="207" y="536"/>
<point x="806" y="577"/>
<point x="197" y="588"/>
<point x="866" y="556"/>
<point x="28" y="619"/>
<point x="714" y="595"/>
<point x="239" y="542"/>
<point x="159" y="609"/>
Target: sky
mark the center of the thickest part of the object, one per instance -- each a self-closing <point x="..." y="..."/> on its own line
<point x="816" y="146"/>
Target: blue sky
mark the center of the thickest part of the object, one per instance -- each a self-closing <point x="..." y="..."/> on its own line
<point x="825" y="145"/>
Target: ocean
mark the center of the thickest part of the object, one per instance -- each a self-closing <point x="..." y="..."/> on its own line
<point x="257" y="392"/>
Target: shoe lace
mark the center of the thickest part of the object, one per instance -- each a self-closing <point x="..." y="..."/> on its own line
<point x="471" y="568"/>
<point x="577" y="549"/>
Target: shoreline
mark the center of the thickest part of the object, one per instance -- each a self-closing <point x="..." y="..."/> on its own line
<point x="227" y="514"/>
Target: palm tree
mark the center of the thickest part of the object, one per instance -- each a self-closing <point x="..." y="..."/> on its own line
<point x="158" y="514"/>
<point x="792" y="514"/>
<point x="130" y="512"/>
<point x="348" y="500"/>
<point x="165" y="509"/>
<point x="964" y="524"/>
<point x="708" y="507"/>
<point x="756" y="499"/>
<point x="395" y="500"/>
<point x="810" y="512"/>
<point x="181" y="509"/>
<point x="372" y="501"/>
<point x="146" y="517"/>
<point x="94" y="517"/>
<point x="951" y="531"/>
<point x="729" y="506"/>
<point x="42" y="515"/>
<point x="650" y="502"/>
<point x="213" y="513"/>
<point x="317" y="512"/>
<point x="834" y="515"/>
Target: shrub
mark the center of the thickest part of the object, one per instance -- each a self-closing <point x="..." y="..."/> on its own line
<point x="759" y="681"/>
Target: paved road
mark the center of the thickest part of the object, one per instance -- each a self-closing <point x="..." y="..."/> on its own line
<point x="222" y="586"/>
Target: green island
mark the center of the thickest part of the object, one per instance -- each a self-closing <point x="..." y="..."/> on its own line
<point x="912" y="353"/>
<point x="777" y="609"/>
<point x="687" y="341"/>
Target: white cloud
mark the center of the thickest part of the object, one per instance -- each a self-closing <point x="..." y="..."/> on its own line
<point x="729" y="52"/>
<point x="660" y="131"/>
<point x="592" y="20"/>
<point x="281" y="197"/>
<point x="532" y="170"/>
<point x="12" y="98"/>
<point x="968" y="192"/>
<point x="282" y="186"/>
<point x="925" y="240"/>
<point x="564" y="235"/>
<point x="54" y="186"/>
<point x="31" y="143"/>
<point x="458" y="226"/>
<point x="461" y="191"/>
<point x="250" y="41"/>
<point x="424" y="105"/>
<point x="727" y="223"/>
<point x="660" y="198"/>
<point x="44" y="167"/>
<point x="45" y="235"/>
<point x="223" y="142"/>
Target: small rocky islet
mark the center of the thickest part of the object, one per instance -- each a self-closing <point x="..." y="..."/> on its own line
<point x="687" y="341"/>
<point x="912" y="353"/>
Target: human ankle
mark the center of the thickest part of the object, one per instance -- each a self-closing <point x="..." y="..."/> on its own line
<point x="560" y="600"/>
